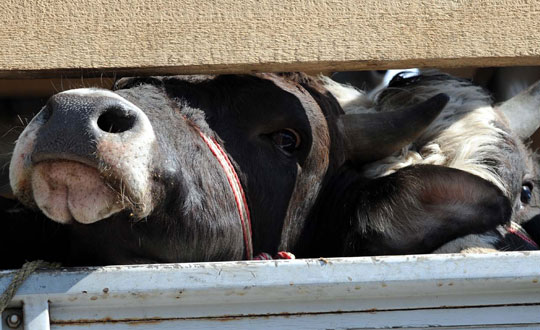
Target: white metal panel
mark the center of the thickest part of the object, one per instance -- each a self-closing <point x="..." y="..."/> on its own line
<point x="460" y="318"/>
<point x="401" y="291"/>
<point x="36" y="313"/>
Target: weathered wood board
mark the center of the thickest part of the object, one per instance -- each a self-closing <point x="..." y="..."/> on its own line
<point x="91" y="37"/>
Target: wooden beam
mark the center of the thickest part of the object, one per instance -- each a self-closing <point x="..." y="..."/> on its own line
<point x="42" y="38"/>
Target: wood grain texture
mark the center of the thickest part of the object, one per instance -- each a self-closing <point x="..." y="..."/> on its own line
<point x="92" y="37"/>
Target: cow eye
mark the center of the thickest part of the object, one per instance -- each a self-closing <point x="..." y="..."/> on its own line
<point x="526" y="193"/>
<point x="286" y="139"/>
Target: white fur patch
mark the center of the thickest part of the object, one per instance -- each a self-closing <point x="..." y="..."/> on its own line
<point x="464" y="145"/>
<point x="20" y="167"/>
<point x="470" y="244"/>
<point x="347" y="95"/>
<point x="461" y="144"/>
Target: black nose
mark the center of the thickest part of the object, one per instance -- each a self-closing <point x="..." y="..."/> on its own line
<point x="74" y="122"/>
<point x="115" y="118"/>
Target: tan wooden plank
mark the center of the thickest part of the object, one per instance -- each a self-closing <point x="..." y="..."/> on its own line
<point x="90" y="37"/>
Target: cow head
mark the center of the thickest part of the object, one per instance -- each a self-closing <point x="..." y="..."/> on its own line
<point x="471" y="135"/>
<point x="522" y="115"/>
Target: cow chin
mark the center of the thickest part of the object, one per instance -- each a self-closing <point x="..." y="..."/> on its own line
<point x="68" y="191"/>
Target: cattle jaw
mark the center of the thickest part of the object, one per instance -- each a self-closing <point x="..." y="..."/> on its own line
<point x="70" y="183"/>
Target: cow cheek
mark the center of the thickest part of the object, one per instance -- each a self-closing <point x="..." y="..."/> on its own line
<point x="127" y="160"/>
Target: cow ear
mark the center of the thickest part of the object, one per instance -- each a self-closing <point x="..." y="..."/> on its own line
<point x="373" y="136"/>
<point x="523" y="111"/>
<point x="419" y="208"/>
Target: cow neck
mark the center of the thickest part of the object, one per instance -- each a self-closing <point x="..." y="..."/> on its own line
<point x="236" y="187"/>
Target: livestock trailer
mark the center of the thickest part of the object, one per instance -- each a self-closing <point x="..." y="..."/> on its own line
<point x="101" y="39"/>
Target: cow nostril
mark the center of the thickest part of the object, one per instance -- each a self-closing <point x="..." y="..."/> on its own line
<point x="116" y="120"/>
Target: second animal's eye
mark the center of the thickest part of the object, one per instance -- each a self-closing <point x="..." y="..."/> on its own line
<point x="526" y="193"/>
<point x="286" y="139"/>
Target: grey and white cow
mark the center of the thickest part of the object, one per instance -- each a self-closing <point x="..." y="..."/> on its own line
<point x="472" y="135"/>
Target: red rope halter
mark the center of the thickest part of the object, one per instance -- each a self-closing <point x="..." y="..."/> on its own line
<point x="240" y="198"/>
<point x="236" y="187"/>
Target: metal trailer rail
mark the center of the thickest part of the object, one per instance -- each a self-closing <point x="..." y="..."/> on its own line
<point x="489" y="291"/>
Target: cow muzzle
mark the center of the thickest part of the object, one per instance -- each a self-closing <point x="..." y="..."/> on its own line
<point x="84" y="157"/>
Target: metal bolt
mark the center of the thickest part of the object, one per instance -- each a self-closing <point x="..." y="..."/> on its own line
<point x="14" y="320"/>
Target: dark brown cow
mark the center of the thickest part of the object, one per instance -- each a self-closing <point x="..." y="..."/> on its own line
<point x="136" y="174"/>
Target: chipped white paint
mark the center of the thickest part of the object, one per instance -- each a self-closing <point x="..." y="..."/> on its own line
<point x="494" y="290"/>
<point x="36" y="313"/>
